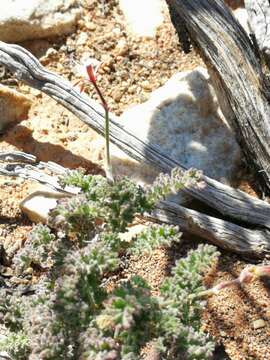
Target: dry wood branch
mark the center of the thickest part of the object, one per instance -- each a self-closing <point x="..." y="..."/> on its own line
<point x="251" y="243"/>
<point x="228" y="236"/>
<point x="236" y="72"/>
<point x="228" y="201"/>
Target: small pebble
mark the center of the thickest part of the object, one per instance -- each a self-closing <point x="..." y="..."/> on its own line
<point x="258" y="324"/>
<point x="82" y="39"/>
<point x="91" y="26"/>
<point x="117" y="95"/>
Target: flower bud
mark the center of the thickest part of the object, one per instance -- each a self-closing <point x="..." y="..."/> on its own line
<point x="91" y="73"/>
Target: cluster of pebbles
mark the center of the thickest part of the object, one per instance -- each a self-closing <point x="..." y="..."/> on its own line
<point x="131" y="67"/>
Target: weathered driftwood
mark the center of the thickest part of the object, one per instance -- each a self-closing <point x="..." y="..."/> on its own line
<point x="236" y="72"/>
<point x="227" y="235"/>
<point x="259" y="19"/>
<point x="247" y="242"/>
<point x="228" y="201"/>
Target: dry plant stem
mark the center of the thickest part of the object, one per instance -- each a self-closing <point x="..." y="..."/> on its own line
<point x="228" y="201"/>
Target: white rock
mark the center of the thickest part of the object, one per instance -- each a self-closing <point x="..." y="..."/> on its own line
<point x="259" y="15"/>
<point x="242" y="17"/>
<point x="143" y="16"/>
<point x="183" y="118"/>
<point x="14" y="106"/>
<point x="38" y="204"/>
<point x="22" y="20"/>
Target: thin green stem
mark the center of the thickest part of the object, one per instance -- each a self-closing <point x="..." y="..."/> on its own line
<point x="108" y="167"/>
<point x="107" y="138"/>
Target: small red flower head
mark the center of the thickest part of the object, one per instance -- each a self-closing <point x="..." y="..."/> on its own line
<point x="91" y="73"/>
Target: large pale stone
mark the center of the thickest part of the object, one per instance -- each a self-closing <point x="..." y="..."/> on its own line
<point x="184" y="119"/>
<point x="22" y="20"/>
<point x="143" y="16"/>
<point x="14" y="106"/>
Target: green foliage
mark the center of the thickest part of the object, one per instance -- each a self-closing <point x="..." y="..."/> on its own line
<point x="166" y="184"/>
<point x="38" y="250"/>
<point x="13" y="308"/>
<point x="129" y="316"/>
<point x="73" y="315"/>
<point x="181" y="312"/>
<point x="16" y="344"/>
<point x="153" y="237"/>
<point x="114" y="205"/>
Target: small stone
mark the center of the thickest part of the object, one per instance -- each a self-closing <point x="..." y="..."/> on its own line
<point x="223" y="333"/>
<point x="258" y="324"/>
<point x="138" y="23"/>
<point x="132" y="89"/>
<point x="122" y="48"/>
<point x="91" y="26"/>
<point x="146" y="85"/>
<point x="117" y="95"/>
<point x="29" y="271"/>
<point x="51" y="52"/>
<point x="38" y="205"/>
<point x="132" y="232"/>
<point x="116" y="31"/>
<point x="82" y="39"/>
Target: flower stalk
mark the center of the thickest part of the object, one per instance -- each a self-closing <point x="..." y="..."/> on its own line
<point x="247" y="275"/>
<point x="90" y="70"/>
<point x="108" y="167"/>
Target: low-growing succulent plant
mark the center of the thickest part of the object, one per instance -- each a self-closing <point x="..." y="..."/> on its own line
<point x="72" y="314"/>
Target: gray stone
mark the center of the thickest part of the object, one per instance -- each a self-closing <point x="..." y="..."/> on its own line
<point x="22" y="20"/>
<point x="184" y="119"/>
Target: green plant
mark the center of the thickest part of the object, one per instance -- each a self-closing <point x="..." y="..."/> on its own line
<point x="180" y="322"/>
<point x="38" y="250"/>
<point x="16" y="345"/>
<point x="73" y="315"/>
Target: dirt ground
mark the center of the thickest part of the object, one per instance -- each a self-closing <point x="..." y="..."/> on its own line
<point x="131" y="69"/>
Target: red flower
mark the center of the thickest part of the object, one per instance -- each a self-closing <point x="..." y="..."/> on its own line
<point x="91" y="73"/>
